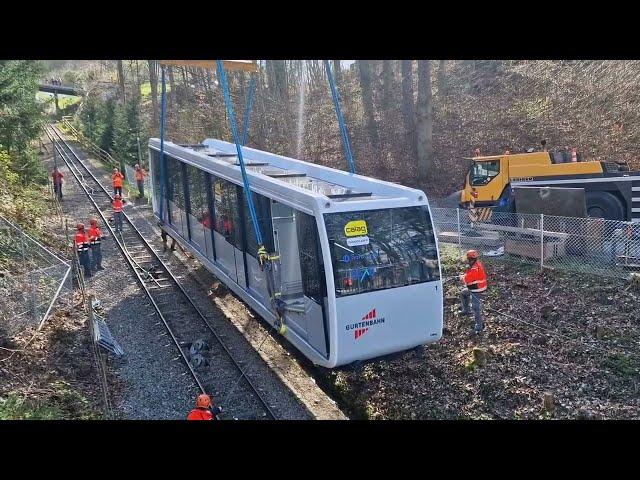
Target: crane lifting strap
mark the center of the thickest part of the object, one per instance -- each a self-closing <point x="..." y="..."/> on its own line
<point x="266" y="260"/>
<point x="341" y="122"/>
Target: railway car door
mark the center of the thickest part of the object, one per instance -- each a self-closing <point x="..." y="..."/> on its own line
<point x="301" y="275"/>
<point x="226" y="226"/>
<point x="255" y="276"/>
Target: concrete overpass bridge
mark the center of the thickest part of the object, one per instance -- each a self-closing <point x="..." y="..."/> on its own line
<point x="60" y="89"/>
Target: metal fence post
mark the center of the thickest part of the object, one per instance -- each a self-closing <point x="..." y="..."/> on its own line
<point x="541" y="242"/>
<point x="459" y="240"/>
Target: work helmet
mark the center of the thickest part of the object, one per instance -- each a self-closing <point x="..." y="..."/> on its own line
<point x="117" y="197"/>
<point x="115" y="169"/>
<point x="80" y="226"/>
<point x="137" y="166"/>
<point x="93" y="221"/>
<point x="472" y="254"/>
<point x="203" y="401"/>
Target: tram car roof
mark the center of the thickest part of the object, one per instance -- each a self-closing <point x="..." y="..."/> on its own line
<point x="293" y="181"/>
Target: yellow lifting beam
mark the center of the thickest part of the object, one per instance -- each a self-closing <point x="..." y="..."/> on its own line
<point x="238" y="65"/>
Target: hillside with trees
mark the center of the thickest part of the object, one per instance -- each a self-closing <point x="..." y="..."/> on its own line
<point x="409" y="121"/>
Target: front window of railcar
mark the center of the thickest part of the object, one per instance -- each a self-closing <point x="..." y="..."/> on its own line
<point x="379" y="249"/>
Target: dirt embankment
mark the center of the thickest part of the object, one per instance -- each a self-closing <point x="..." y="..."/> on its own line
<point x="572" y="340"/>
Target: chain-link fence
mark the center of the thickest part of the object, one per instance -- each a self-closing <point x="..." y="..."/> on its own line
<point x="589" y="245"/>
<point x="31" y="279"/>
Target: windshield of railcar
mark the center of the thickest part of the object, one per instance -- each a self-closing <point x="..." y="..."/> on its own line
<point x="379" y="249"/>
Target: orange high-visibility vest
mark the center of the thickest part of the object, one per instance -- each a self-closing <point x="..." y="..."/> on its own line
<point x="117" y="179"/>
<point x="82" y="242"/>
<point x="117" y="205"/>
<point x="139" y="175"/>
<point x="475" y="278"/>
<point x="94" y="235"/>
<point x="200" y="414"/>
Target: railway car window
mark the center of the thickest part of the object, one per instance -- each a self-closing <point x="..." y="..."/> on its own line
<point x="483" y="172"/>
<point x="378" y="249"/>
<point x="263" y="212"/>
<point x="200" y="221"/>
<point x="175" y="192"/>
<point x="227" y="213"/>
<point x="311" y="266"/>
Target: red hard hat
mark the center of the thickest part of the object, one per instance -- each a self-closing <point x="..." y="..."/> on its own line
<point x="472" y="254"/>
<point x="80" y="226"/>
<point x="93" y="221"/>
<point x="203" y="401"/>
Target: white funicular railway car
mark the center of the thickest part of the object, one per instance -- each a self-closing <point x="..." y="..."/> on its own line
<point x="359" y="268"/>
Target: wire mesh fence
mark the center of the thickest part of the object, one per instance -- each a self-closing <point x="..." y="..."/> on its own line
<point x="587" y="245"/>
<point x="32" y="278"/>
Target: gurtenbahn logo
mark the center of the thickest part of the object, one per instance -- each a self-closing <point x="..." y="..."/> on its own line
<point x="367" y="321"/>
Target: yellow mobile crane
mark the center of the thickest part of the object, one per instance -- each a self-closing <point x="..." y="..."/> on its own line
<point x="611" y="191"/>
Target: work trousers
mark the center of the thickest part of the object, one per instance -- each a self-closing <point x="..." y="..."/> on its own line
<point x="117" y="218"/>
<point x="57" y="187"/>
<point x="83" y="257"/>
<point x="96" y="256"/>
<point x="117" y="191"/>
<point x="476" y="306"/>
<point x="141" y="187"/>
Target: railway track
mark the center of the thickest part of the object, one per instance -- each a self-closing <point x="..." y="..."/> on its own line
<point x="209" y="361"/>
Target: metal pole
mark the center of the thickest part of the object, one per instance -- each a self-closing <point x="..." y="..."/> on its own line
<point x="541" y="242"/>
<point x="459" y="233"/>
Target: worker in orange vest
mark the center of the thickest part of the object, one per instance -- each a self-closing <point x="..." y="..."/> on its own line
<point x="117" y="179"/>
<point x="117" y="203"/>
<point x="204" y="410"/>
<point x="81" y="241"/>
<point x="475" y="281"/>
<point x="140" y="180"/>
<point x="95" y="237"/>
<point x="57" y="182"/>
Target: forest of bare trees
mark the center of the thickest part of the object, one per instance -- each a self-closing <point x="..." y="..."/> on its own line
<point x="410" y="121"/>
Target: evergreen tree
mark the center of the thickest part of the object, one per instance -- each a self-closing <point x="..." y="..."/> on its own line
<point x="20" y="117"/>
<point x="107" y="117"/>
<point x="89" y="118"/>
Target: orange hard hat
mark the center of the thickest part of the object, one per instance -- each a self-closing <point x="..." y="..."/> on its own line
<point x="203" y="401"/>
<point x="80" y="226"/>
<point x="472" y="254"/>
<point x="93" y="221"/>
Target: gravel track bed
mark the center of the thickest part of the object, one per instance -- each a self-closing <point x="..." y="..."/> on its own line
<point x="219" y="376"/>
<point x="155" y="384"/>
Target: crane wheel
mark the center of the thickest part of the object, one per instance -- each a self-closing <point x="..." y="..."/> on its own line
<point x="604" y="205"/>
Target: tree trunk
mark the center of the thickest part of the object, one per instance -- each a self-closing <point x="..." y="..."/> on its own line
<point x="172" y="86"/>
<point x="424" y="121"/>
<point x="442" y="78"/>
<point x="387" y="84"/>
<point x="121" y="79"/>
<point x="153" y="81"/>
<point x="337" y="72"/>
<point x="367" y="100"/>
<point x="138" y="83"/>
<point x="408" y="113"/>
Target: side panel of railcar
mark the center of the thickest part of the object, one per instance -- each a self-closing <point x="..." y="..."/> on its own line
<point x="209" y="216"/>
